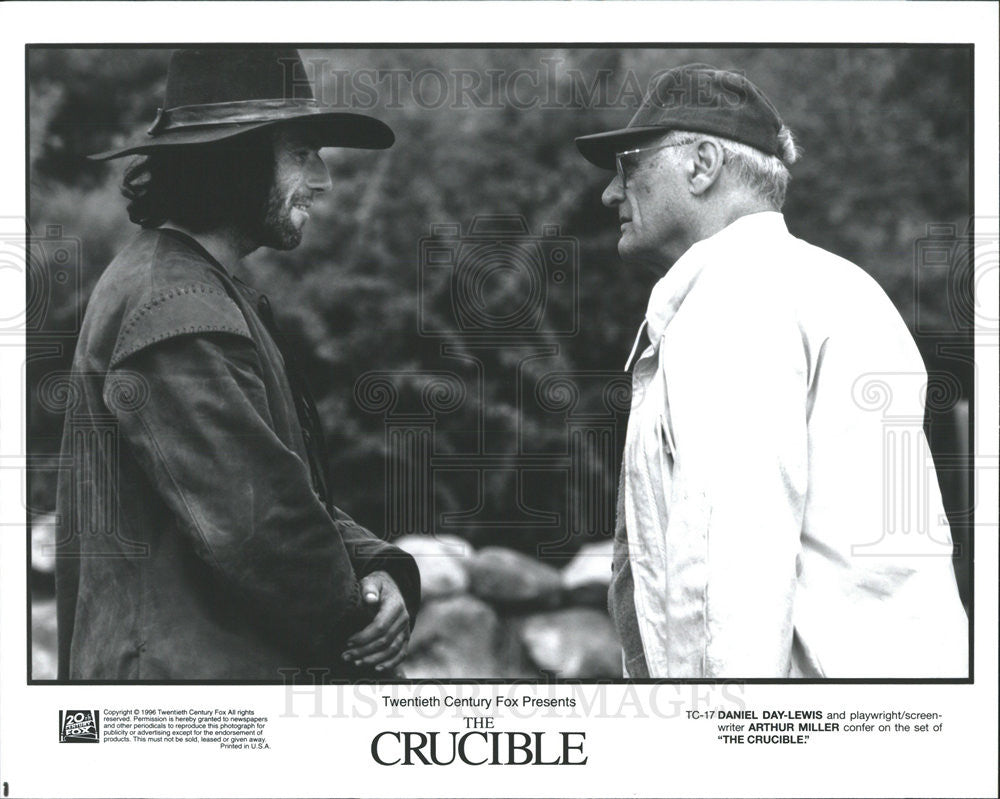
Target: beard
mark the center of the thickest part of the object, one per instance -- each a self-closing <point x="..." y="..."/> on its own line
<point x="275" y="228"/>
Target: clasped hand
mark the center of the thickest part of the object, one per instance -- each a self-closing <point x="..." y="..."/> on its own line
<point x="382" y="643"/>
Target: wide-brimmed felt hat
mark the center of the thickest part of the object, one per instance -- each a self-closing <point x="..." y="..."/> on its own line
<point x="697" y="98"/>
<point x="218" y="93"/>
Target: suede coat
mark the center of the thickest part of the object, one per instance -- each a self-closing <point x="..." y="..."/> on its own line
<point x="196" y="538"/>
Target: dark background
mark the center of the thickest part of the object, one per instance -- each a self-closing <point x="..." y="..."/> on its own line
<point x="885" y="136"/>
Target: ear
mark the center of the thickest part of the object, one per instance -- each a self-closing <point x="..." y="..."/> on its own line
<point x="706" y="166"/>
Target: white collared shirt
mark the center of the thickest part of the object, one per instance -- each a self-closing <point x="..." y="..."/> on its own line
<point x="780" y="501"/>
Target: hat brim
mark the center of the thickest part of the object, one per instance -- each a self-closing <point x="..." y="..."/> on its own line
<point x="333" y="129"/>
<point x="600" y="148"/>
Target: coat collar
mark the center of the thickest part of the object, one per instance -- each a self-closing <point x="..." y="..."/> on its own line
<point x="670" y="291"/>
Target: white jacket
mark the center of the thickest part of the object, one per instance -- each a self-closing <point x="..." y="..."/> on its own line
<point x="781" y="506"/>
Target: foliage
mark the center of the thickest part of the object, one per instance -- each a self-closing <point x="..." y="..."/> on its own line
<point x="885" y="135"/>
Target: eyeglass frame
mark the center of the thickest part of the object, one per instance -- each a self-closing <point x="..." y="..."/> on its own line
<point x="618" y="157"/>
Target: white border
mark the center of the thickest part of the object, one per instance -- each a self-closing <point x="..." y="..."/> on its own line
<point x="651" y="756"/>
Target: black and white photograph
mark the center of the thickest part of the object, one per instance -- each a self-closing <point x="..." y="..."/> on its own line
<point x="461" y="402"/>
<point x="346" y="389"/>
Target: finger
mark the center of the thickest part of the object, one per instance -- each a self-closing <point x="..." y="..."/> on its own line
<point x="385" y="650"/>
<point x="375" y="637"/>
<point x="370" y="589"/>
<point x="386" y="653"/>
<point x="389" y="652"/>
<point x="380" y="643"/>
<point x="395" y="661"/>
<point x="384" y="619"/>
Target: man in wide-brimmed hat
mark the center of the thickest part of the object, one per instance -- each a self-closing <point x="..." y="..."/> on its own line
<point x="772" y="520"/>
<point x="199" y="538"/>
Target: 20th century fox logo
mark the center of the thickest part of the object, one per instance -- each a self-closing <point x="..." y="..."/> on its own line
<point x="79" y="726"/>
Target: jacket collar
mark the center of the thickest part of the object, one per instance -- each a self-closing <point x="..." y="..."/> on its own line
<point x="670" y="291"/>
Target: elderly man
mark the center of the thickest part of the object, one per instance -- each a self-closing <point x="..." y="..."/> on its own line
<point x="198" y="538"/>
<point x="755" y="490"/>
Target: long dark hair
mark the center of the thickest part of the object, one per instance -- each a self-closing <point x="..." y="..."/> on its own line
<point x="203" y="186"/>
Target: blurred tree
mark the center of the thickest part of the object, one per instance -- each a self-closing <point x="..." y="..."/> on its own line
<point x="885" y="135"/>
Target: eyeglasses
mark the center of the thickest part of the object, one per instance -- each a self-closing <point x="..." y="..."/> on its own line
<point x="627" y="162"/>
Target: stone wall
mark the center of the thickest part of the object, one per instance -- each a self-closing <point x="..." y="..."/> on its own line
<point x="488" y="613"/>
<point x="498" y="613"/>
